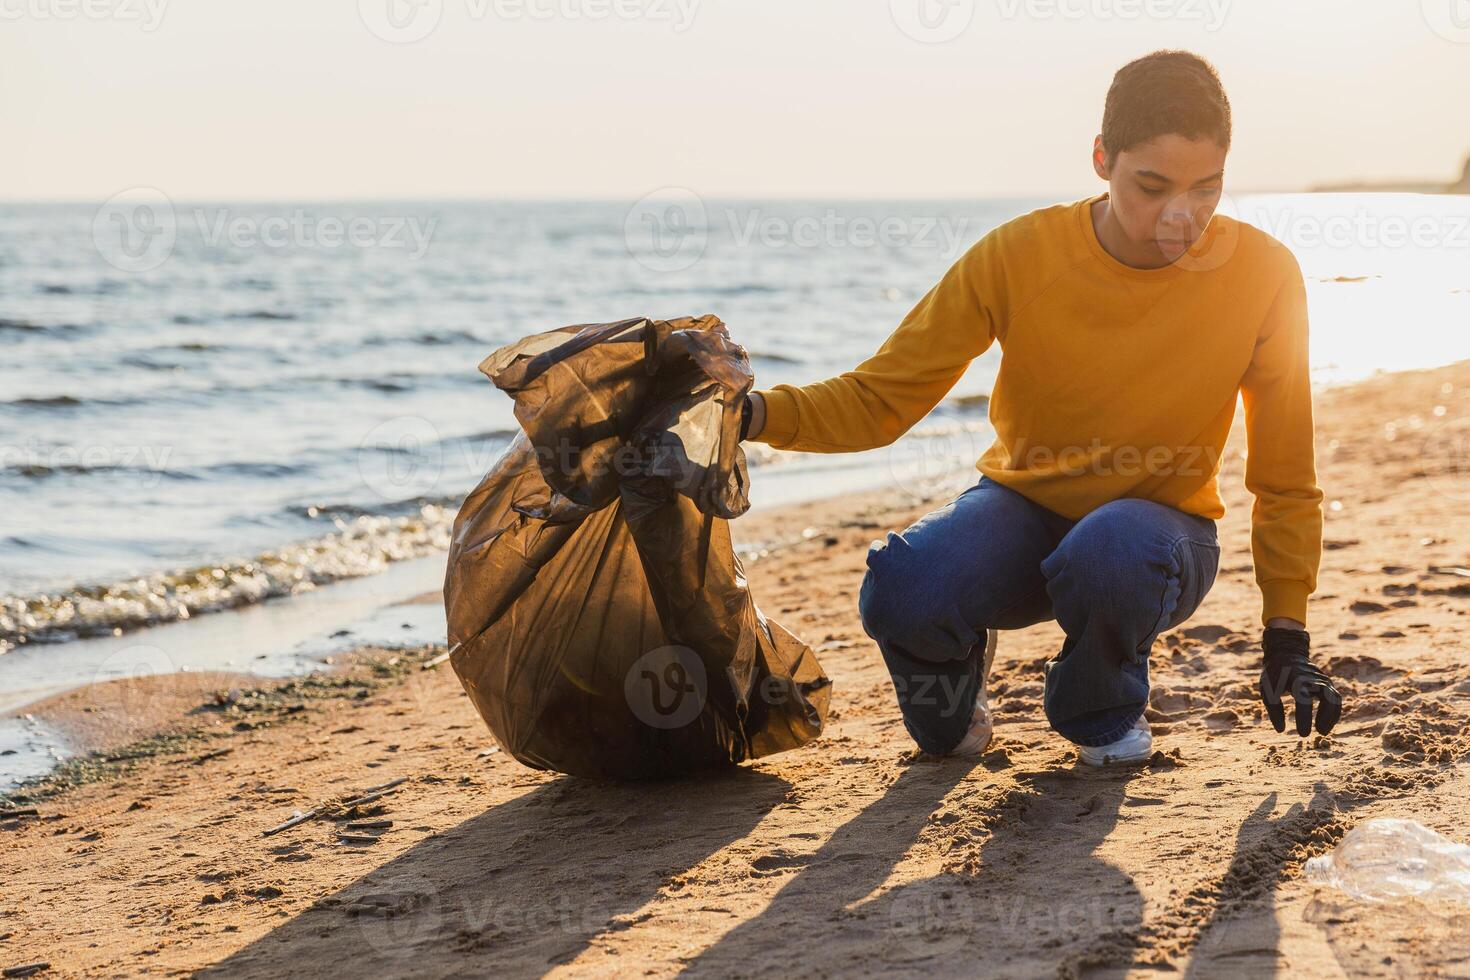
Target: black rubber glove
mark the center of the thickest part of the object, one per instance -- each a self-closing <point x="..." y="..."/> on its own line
<point x="746" y="410"/>
<point x="1289" y="668"/>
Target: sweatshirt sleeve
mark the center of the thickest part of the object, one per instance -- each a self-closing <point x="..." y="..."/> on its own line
<point x="891" y="391"/>
<point x="1281" y="469"/>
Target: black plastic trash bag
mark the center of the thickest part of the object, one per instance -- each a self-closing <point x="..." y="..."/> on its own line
<point x="599" y="618"/>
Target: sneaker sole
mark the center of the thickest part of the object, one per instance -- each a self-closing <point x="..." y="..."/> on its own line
<point x="992" y="642"/>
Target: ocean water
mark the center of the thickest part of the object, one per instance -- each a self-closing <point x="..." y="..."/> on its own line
<point x="203" y="406"/>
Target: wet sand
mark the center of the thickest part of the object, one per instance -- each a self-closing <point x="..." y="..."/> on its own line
<point x="853" y="855"/>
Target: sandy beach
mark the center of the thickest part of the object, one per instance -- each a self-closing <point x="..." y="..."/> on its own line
<point x="854" y="855"/>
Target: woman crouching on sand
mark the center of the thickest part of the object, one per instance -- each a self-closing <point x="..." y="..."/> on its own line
<point x="1129" y="325"/>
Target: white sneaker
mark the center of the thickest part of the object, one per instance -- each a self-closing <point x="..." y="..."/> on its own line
<point x="982" y="726"/>
<point x="1136" y="746"/>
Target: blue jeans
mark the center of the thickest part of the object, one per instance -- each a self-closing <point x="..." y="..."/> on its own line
<point x="992" y="559"/>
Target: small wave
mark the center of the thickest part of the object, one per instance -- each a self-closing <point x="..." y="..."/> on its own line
<point x="427" y="339"/>
<point x="347" y="512"/>
<point x="970" y="402"/>
<point x="42" y="471"/>
<point x="147" y="363"/>
<point x="53" y="401"/>
<point x="267" y="471"/>
<point x="21" y="326"/>
<point x="364" y="546"/>
<point x="377" y="384"/>
<point x="54" y="289"/>
<point x="69" y="402"/>
<point x="760" y="355"/>
<point x="29" y="326"/>
<point x="263" y="315"/>
<point x="745" y="289"/>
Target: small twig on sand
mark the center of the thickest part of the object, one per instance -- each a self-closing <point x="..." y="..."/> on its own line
<point x="348" y="805"/>
<point x="371" y="825"/>
<point x="1450" y="570"/>
<point x="201" y="760"/>
<point x="376" y="791"/>
<point x="369" y="795"/>
<point x="26" y="970"/>
<point x="356" y="839"/>
<point x="295" y="821"/>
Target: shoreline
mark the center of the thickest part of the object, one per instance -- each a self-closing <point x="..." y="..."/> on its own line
<point x="159" y="864"/>
<point x="304" y="632"/>
<point x="373" y="544"/>
<point x="50" y="716"/>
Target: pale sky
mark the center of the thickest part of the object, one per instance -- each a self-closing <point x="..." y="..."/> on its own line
<point x="299" y="99"/>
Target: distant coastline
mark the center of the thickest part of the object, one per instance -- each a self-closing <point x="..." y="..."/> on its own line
<point x="1461" y="186"/>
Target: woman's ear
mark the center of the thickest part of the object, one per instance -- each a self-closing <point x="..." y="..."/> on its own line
<point x="1100" y="159"/>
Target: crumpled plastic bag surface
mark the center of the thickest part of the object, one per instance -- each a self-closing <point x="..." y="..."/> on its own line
<point x="599" y="618"/>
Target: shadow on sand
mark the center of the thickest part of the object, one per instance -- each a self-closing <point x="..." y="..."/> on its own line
<point x="519" y="889"/>
<point x="1022" y="891"/>
<point x="1020" y="885"/>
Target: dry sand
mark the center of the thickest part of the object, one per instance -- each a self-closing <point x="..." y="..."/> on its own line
<point x="852" y="855"/>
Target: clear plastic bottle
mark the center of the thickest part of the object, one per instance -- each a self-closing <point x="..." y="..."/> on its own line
<point x="1386" y="859"/>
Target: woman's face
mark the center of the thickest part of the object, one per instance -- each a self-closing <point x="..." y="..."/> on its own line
<point x="1164" y="193"/>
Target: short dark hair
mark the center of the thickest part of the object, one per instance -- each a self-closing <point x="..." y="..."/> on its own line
<point x="1165" y="93"/>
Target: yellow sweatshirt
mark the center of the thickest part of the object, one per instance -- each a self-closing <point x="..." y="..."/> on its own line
<point x="1114" y="382"/>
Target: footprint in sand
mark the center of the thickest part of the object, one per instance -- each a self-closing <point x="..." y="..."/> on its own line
<point x="1366" y="607"/>
<point x="1369" y="670"/>
<point x="1221" y="720"/>
<point x="1209" y="633"/>
<point x="1186" y="664"/>
<point x="1167" y="705"/>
